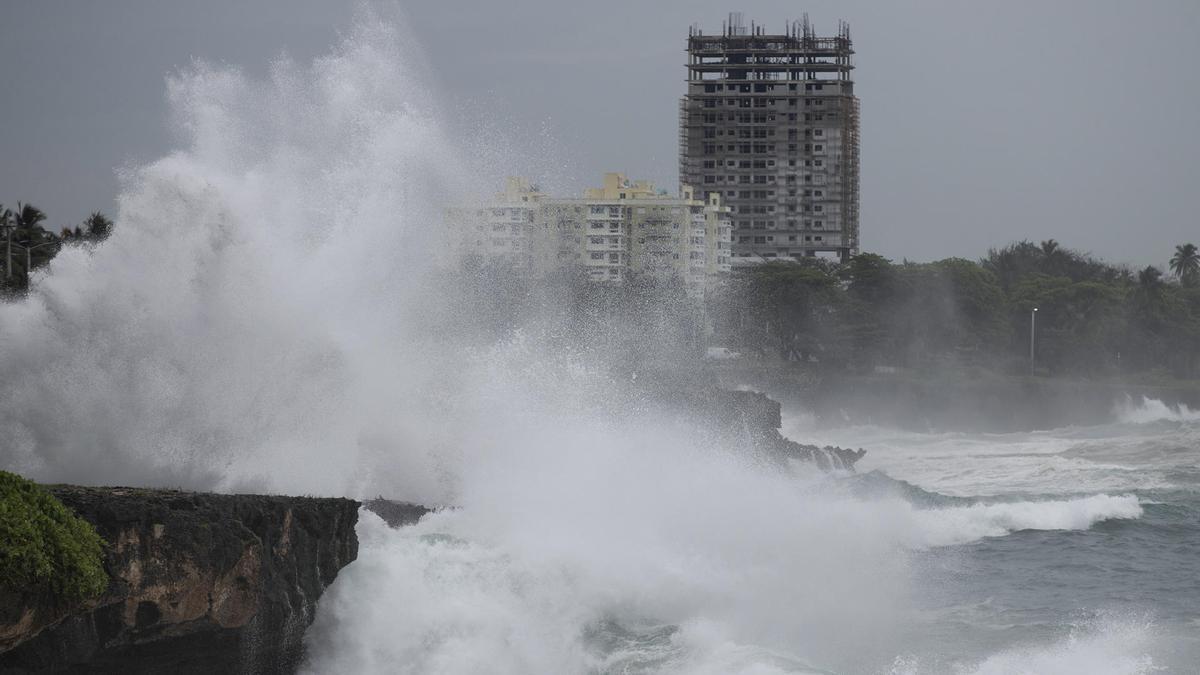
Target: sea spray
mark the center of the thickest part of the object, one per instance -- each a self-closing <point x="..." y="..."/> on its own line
<point x="251" y="323"/>
<point x="1148" y="410"/>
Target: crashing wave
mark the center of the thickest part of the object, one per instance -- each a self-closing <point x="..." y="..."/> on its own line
<point x="965" y="524"/>
<point x="1148" y="410"/>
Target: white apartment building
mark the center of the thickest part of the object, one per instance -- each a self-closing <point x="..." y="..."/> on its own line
<point x="623" y="227"/>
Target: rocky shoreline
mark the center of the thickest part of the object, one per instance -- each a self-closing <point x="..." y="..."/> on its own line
<point x="204" y="583"/>
<point x="739" y="418"/>
<point x="199" y="583"/>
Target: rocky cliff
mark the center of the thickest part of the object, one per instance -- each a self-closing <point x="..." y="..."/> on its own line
<point x="199" y="583"/>
<point x="757" y="418"/>
<point x="741" y="418"/>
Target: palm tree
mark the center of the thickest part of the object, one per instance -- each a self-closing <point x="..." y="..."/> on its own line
<point x="1186" y="264"/>
<point x="25" y="226"/>
<point x="1150" y="278"/>
<point x="28" y="216"/>
<point x="98" y="226"/>
<point x="1053" y="257"/>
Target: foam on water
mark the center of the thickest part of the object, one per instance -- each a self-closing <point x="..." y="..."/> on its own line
<point x="1114" y="458"/>
<point x="1116" y="648"/>
<point x="1149" y="410"/>
<point x="623" y="561"/>
<point x="1108" y="646"/>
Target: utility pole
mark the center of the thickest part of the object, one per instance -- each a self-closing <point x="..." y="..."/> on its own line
<point x="1032" y="330"/>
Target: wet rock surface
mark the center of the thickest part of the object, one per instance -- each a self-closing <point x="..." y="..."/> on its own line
<point x="741" y="418"/>
<point x="199" y="583"/>
<point x="394" y="513"/>
<point x="761" y="417"/>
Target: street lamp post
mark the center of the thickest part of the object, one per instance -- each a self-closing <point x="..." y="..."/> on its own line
<point x="29" y="255"/>
<point x="1032" y="330"/>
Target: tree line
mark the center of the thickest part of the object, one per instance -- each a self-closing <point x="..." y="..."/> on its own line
<point x="26" y="245"/>
<point x="1092" y="318"/>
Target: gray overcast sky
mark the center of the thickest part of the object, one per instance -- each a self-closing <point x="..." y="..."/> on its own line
<point x="982" y="123"/>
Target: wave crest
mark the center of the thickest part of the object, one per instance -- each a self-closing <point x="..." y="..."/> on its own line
<point x="1150" y="410"/>
<point x="965" y="524"/>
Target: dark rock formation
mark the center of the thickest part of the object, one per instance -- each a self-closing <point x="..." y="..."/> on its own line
<point x="759" y="417"/>
<point x="199" y="583"/>
<point x="741" y="417"/>
<point x="396" y="514"/>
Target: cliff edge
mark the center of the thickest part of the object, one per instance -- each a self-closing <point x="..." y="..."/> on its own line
<point x="198" y="583"/>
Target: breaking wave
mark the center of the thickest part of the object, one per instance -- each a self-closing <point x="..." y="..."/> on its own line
<point x="251" y="324"/>
<point x="1106" y="646"/>
<point x="1149" y="410"/>
<point x="964" y="524"/>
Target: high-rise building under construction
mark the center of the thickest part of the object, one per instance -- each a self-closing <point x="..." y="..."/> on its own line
<point x="770" y="121"/>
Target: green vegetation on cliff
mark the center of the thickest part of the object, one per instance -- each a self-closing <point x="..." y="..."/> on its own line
<point x="45" y="547"/>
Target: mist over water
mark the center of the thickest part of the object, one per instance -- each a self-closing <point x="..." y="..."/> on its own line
<point x="267" y="316"/>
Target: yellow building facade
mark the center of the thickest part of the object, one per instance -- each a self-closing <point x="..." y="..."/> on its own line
<point x="621" y="228"/>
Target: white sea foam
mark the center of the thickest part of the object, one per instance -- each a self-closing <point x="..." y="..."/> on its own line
<point x="1105" y="647"/>
<point x="1111" y="459"/>
<point x="1102" y="645"/>
<point x="774" y="575"/>
<point x="1147" y="410"/>
<point x="959" y="525"/>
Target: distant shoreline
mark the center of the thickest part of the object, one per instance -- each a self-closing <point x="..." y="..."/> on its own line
<point x="954" y="400"/>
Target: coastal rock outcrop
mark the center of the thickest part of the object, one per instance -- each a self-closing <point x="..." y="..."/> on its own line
<point x="199" y="583"/>
<point x="741" y="418"/>
<point x="760" y="417"/>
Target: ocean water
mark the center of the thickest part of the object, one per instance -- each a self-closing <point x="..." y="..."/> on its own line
<point x="1073" y="551"/>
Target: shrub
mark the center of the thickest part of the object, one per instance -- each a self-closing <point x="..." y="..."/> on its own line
<point x="46" y="547"/>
